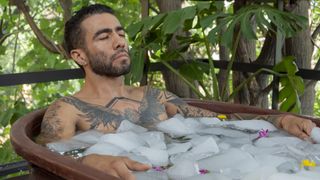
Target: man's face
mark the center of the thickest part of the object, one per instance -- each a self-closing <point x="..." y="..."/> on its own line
<point x="106" y="46"/>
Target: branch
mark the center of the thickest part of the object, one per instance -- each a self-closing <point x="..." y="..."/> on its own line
<point x="154" y="9"/>
<point x="49" y="45"/>
<point x="316" y="32"/>
<point x="267" y="52"/>
<point x="266" y="90"/>
<point x="67" y="9"/>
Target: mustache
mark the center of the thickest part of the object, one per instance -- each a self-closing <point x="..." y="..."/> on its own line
<point x="113" y="56"/>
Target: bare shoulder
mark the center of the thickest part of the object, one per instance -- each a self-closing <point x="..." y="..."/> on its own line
<point x="58" y="123"/>
<point x="162" y="96"/>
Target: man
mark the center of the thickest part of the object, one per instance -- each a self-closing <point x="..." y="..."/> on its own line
<point x="96" y="41"/>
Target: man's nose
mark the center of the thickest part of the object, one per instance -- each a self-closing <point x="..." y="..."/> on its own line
<point x="119" y="42"/>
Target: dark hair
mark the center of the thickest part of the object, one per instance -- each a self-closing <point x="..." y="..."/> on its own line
<point x="73" y="34"/>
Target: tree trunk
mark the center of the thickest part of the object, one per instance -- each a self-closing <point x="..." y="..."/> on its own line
<point x="173" y="82"/>
<point x="266" y="57"/>
<point x="245" y="53"/>
<point x="224" y="53"/>
<point x="145" y="13"/>
<point x="300" y="46"/>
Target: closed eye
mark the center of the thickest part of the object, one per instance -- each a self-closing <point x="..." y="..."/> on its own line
<point x="104" y="37"/>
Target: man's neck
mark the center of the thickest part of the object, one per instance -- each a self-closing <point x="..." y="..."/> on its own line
<point x="102" y="86"/>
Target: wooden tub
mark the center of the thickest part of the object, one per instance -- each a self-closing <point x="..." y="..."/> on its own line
<point x="48" y="163"/>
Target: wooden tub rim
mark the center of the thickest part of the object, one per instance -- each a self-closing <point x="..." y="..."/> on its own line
<point x="67" y="167"/>
<point x="40" y="156"/>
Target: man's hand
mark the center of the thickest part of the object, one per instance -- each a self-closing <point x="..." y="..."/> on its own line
<point x="297" y="126"/>
<point x="117" y="166"/>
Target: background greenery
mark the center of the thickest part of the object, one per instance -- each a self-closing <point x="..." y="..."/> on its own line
<point x="21" y="50"/>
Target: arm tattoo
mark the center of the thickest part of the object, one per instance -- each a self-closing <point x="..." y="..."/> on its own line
<point x="191" y="111"/>
<point x="96" y="114"/>
<point x="183" y="108"/>
<point x="50" y="126"/>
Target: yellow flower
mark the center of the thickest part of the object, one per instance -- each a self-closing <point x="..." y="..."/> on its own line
<point x="222" y="116"/>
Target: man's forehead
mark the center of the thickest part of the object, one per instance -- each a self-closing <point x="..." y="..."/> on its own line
<point x="96" y="22"/>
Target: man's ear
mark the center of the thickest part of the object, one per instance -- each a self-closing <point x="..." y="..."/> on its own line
<point x="79" y="56"/>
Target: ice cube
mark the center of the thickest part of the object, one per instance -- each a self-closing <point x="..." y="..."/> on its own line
<point x="182" y="170"/>
<point x="231" y="159"/>
<point x="67" y="145"/>
<point x="208" y="146"/>
<point x="277" y="141"/>
<point x="192" y="123"/>
<point x="157" y="157"/>
<point x="209" y="176"/>
<point x="224" y="146"/>
<point x="289" y="167"/>
<point x="175" y="127"/>
<point x="126" y="140"/>
<point x="262" y="173"/>
<point x="90" y="137"/>
<point x="150" y="175"/>
<point x="209" y="121"/>
<point x="175" y="148"/>
<point x="154" y="139"/>
<point x="284" y="176"/>
<point x="197" y="139"/>
<point x="129" y="126"/>
<point x="104" y="149"/>
<point x="223" y="131"/>
<point x="250" y="125"/>
<point x="135" y="157"/>
<point x="262" y="151"/>
<point x="272" y="160"/>
<point x="315" y="134"/>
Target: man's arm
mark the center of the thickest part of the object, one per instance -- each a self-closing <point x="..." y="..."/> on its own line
<point x="297" y="126"/>
<point x="56" y="124"/>
<point x="174" y="105"/>
<point x="59" y="123"/>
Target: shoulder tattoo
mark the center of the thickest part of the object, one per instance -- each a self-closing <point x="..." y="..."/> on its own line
<point x="51" y="125"/>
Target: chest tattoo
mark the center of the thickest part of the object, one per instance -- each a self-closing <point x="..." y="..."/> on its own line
<point x="146" y="112"/>
<point x="151" y="109"/>
<point x="95" y="114"/>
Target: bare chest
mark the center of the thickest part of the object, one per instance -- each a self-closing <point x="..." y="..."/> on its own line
<point x="108" y="118"/>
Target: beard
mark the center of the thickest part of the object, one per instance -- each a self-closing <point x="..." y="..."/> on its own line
<point x="101" y="64"/>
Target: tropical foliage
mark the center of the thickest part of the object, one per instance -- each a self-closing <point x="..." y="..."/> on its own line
<point x="154" y="34"/>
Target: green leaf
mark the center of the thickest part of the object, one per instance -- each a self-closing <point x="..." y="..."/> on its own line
<point x="246" y="27"/>
<point x="4" y="3"/>
<point x="291" y="104"/>
<point x="297" y="83"/>
<point x="214" y="35"/>
<point x="193" y="71"/>
<point x="172" y="22"/>
<point x="188" y="24"/>
<point x="6" y="117"/>
<point x="175" y="19"/>
<point x="203" y="6"/>
<point x="189" y="13"/>
<point x="263" y="23"/>
<point x="227" y="36"/>
<point x="285" y="93"/>
<point x="154" y="22"/>
<point x="286" y="65"/>
<point x="137" y="65"/>
<point x="210" y="20"/>
<point x="133" y="29"/>
<point x="292" y="84"/>
<point x="2" y="50"/>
